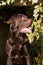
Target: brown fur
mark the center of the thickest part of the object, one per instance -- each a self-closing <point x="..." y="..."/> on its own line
<point x="18" y="49"/>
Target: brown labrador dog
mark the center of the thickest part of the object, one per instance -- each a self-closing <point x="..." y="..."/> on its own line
<point x="18" y="49"/>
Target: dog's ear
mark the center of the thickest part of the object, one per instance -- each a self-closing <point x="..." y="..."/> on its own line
<point x="13" y="21"/>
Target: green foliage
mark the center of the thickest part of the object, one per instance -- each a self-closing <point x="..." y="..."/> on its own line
<point x="37" y="33"/>
<point x="21" y="2"/>
<point x="37" y="25"/>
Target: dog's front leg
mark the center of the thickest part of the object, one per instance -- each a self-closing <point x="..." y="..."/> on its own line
<point x="28" y="60"/>
<point x="9" y="62"/>
<point x="27" y="56"/>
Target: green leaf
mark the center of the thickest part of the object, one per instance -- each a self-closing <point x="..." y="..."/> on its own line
<point x="8" y="1"/>
<point x="12" y="1"/>
<point x="38" y="26"/>
<point x="30" y="37"/>
<point x="41" y="16"/>
<point x="36" y="59"/>
<point x="34" y="23"/>
<point x="41" y="9"/>
<point x="34" y="1"/>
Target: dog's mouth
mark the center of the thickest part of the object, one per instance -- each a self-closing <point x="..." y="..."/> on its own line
<point x="25" y="30"/>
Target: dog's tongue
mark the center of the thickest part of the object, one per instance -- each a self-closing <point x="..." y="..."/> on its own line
<point x="25" y="30"/>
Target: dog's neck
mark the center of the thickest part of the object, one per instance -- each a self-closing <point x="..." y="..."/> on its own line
<point x="17" y="38"/>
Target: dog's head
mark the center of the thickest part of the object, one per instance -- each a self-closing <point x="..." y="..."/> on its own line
<point x="19" y="26"/>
